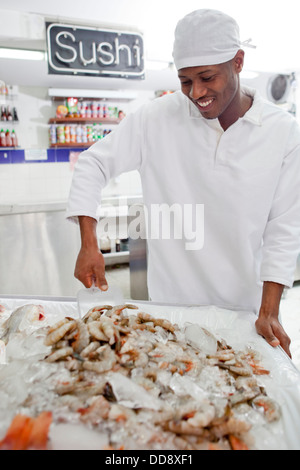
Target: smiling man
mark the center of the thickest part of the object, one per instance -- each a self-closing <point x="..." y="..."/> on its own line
<point x="215" y="90"/>
<point x="216" y="145"/>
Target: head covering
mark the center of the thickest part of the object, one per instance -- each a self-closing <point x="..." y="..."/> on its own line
<point x="205" y="37"/>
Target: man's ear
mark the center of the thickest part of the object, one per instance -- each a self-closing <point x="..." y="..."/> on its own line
<point x="239" y="61"/>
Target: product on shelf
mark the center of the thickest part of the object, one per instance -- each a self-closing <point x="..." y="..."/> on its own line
<point x="105" y="244"/>
<point x="76" y="133"/>
<point x="8" y="115"/>
<point x="73" y="108"/>
<point x="15" y="115"/>
<point x="8" y="138"/>
<point x="2" y="138"/>
<point x="3" y="114"/>
<point x="3" y="88"/>
<point x="14" y="138"/>
<point x="61" y="111"/>
<point x="71" y="105"/>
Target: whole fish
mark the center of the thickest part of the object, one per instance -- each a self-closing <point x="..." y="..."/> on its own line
<point x="27" y="315"/>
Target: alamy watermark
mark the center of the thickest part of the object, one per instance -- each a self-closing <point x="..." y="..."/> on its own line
<point x="157" y="222"/>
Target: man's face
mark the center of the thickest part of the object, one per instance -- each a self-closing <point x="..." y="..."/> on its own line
<point x="212" y="88"/>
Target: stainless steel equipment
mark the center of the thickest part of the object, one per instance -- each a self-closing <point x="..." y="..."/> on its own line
<point x="39" y="248"/>
<point x="138" y="254"/>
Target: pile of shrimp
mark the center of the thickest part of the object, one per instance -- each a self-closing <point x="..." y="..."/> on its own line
<point x="203" y="398"/>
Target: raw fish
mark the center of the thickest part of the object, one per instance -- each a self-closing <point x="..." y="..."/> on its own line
<point x="27" y="315"/>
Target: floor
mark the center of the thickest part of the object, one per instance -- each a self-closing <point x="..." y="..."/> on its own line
<point x="290" y="305"/>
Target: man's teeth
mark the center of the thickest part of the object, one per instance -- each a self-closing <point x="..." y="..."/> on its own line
<point x="203" y="104"/>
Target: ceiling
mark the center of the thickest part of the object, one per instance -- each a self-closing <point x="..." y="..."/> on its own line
<point x="273" y="28"/>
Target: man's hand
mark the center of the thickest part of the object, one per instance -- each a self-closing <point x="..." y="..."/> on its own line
<point x="90" y="265"/>
<point x="90" y="268"/>
<point x="267" y="324"/>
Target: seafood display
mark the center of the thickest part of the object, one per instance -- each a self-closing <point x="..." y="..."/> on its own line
<point x="140" y="381"/>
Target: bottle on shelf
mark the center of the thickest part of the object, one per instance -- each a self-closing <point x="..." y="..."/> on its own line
<point x="2" y="138"/>
<point x="67" y="135"/>
<point x="9" y="114"/>
<point x="3" y="114"/>
<point x="14" y="138"/>
<point x="105" y="244"/>
<point x="15" y="115"/>
<point x="8" y="138"/>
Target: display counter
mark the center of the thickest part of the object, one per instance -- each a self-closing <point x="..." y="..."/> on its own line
<point x="281" y="383"/>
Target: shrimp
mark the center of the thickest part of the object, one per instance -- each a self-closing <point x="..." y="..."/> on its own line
<point x="59" y="354"/>
<point x="118" y="309"/>
<point x="98" y="410"/>
<point x="95" y="313"/>
<point x="56" y="333"/>
<point x="86" y="389"/>
<point x="183" y="427"/>
<point x="269" y="407"/>
<point x="247" y="389"/>
<point x="229" y="425"/>
<point x="167" y="325"/>
<point x="238" y="368"/>
<point x="90" y="348"/>
<point x="110" y="331"/>
<point x="95" y="330"/>
<point x="99" y="366"/>
<point x="107" y="360"/>
<point x="82" y="337"/>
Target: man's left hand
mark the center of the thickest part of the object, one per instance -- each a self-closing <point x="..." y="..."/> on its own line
<point x="273" y="332"/>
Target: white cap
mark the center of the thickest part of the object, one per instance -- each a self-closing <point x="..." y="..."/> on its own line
<point x="205" y="37"/>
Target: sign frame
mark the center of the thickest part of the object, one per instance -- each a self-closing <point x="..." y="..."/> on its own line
<point x="102" y="71"/>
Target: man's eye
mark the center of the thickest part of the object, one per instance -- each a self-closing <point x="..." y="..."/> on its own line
<point x="207" y="79"/>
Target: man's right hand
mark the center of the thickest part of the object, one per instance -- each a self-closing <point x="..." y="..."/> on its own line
<point x="90" y="268"/>
<point x="90" y="264"/>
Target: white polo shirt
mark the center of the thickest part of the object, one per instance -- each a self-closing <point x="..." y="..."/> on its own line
<point x="247" y="180"/>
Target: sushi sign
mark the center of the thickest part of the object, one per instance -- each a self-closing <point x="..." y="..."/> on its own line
<point x="77" y="50"/>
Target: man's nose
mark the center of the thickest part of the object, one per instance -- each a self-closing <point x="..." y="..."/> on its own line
<point x="198" y="90"/>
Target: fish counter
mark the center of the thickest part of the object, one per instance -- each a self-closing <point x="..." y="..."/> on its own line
<point x="141" y="376"/>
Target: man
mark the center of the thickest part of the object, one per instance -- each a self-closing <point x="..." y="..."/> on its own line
<point x="212" y="144"/>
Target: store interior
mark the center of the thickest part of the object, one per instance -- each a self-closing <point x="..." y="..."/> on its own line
<point x="36" y="171"/>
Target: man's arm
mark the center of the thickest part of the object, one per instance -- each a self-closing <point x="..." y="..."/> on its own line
<point x="267" y="324"/>
<point x="90" y="265"/>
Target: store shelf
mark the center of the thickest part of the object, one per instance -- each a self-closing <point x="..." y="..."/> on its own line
<point x="72" y="145"/>
<point x="59" y="93"/>
<point x="83" y="120"/>
<point x="116" y="257"/>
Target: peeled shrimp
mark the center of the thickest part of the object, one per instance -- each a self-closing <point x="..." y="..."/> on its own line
<point x="90" y="349"/>
<point x="82" y="337"/>
<point x="59" y="331"/>
<point x="95" y="330"/>
<point x="269" y="407"/>
<point x="60" y="354"/>
<point x="95" y="313"/>
<point x="167" y="325"/>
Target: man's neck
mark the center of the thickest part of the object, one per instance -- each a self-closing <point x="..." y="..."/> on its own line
<point x="237" y="109"/>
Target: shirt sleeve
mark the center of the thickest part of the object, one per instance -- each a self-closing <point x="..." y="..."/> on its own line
<point x="119" y="152"/>
<point x="281" y="241"/>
